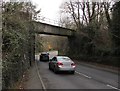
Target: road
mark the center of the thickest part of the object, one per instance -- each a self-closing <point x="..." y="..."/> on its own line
<point x="84" y="78"/>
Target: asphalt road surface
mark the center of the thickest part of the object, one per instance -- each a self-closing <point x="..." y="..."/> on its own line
<point x="84" y="78"/>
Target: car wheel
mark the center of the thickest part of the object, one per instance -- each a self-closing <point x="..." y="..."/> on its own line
<point x="48" y="60"/>
<point x="55" y="71"/>
<point x="40" y="59"/>
<point x="72" y="72"/>
<point x="50" y="68"/>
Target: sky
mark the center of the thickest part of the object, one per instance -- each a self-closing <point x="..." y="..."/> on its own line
<point x="49" y="8"/>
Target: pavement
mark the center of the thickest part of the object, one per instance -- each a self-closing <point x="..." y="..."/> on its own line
<point x="31" y="79"/>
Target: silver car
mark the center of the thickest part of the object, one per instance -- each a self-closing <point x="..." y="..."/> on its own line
<point x="62" y="63"/>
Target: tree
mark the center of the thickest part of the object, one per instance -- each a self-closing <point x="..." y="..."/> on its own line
<point x="116" y="28"/>
<point x="82" y="13"/>
<point x="16" y="17"/>
<point x="91" y="21"/>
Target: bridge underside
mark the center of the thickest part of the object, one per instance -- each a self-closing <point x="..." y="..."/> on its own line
<point x="42" y="28"/>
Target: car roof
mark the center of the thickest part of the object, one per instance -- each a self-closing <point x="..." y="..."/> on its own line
<point x="62" y="57"/>
<point x="44" y="53"/>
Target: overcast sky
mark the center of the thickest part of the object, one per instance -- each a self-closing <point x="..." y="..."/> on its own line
<point x="49" y="8"/>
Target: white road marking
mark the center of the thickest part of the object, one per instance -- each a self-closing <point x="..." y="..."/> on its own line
<point x="91" y="77"/>
<point x="83" y="75"/>
<point x="113" y="87"/>
<point x="40" y="78"/>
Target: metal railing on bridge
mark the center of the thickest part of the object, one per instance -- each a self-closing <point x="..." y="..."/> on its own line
<point x="48" y="21"/>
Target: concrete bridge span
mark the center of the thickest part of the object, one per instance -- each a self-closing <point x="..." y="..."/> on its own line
<point x="42" y="28"/>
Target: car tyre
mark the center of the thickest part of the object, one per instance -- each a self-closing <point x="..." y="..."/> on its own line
<point x="72" y="72"/>
<point x="50" y="68"/>
<point x="40" y="59"/>
<point x="55" y="71"/>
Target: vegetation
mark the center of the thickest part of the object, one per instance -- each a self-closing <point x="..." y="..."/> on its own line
<point x="16" y="48"/>
<point x="97" y="35"/>
<point x="116" y="28"/>
<point x="38" y="44"/>
<point x="97" y="30"/>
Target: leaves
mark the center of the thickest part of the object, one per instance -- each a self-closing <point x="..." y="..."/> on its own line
<point x="92" y="21"/>
<point x="16" y="40"/>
